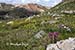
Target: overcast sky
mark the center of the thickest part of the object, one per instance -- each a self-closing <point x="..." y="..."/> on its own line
<point x="42" y="2"/>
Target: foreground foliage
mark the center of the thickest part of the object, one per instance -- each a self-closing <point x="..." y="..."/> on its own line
<point x="23" y="31"/>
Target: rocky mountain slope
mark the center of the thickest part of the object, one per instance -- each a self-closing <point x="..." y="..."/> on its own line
<point x="8" y="11"/>
<point x="32" y="7"/>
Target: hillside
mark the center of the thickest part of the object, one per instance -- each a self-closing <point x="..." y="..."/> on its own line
<point x="67" y="0"/>
<point x="63" y="7"/>
<point x="34" y="31"/>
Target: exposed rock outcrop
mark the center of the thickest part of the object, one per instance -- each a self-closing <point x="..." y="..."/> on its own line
<point x="68" y="44"/>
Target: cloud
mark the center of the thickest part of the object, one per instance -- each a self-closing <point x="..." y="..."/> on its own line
<point x="46" y="0"/>
<point x="42" y="2"/>
<point x="30" y="1"/>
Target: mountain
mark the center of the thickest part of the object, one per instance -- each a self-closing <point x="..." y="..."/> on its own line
<point x="19" y="11"/>
<point x="32" y="7"/>
<point x="7" y="7"/>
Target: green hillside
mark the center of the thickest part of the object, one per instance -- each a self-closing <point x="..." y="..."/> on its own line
<point x="68" y="5"/>
<point x="24" y="30"/>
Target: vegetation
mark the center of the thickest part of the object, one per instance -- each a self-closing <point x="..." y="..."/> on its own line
<point x="23" y="31"/>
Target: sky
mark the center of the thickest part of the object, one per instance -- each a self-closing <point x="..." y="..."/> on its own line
<point x="41" y="2"/>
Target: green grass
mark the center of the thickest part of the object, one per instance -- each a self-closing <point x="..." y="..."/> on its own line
<point x="24" y="31"/>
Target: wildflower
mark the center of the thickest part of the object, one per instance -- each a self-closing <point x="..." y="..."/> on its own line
<point x="65" y="27"/>
<point x="53" y="36"/>
<point x="68" y="29"/>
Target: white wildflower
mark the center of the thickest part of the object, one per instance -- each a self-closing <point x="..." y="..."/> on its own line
<point x="65" y="27"/>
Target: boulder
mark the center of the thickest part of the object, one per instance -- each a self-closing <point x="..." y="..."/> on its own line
<point x="39" y="34"/>
<point x="68" y="44"/>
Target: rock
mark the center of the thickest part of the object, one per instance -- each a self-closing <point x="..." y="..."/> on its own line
<point x="56" y="18"/>
<point x="43" y="22"/>
<point x="53" y="21"/>
<point x="39" y="34"/>
<point x="68" y="44"/>
<point x="10" y="22"/>
<point x="38" y="15"/>
<point x="48" y="13"/>
<point x="0" y="21"/>
<point x="3" y="12"/>
<point x="55" y="15"/>
<point x="65" y="27"/>
<point x="50" y="22"/>
<point x="52" y="47"/>
<point x="68" y="12"/>
<point x="29" y="18"/>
